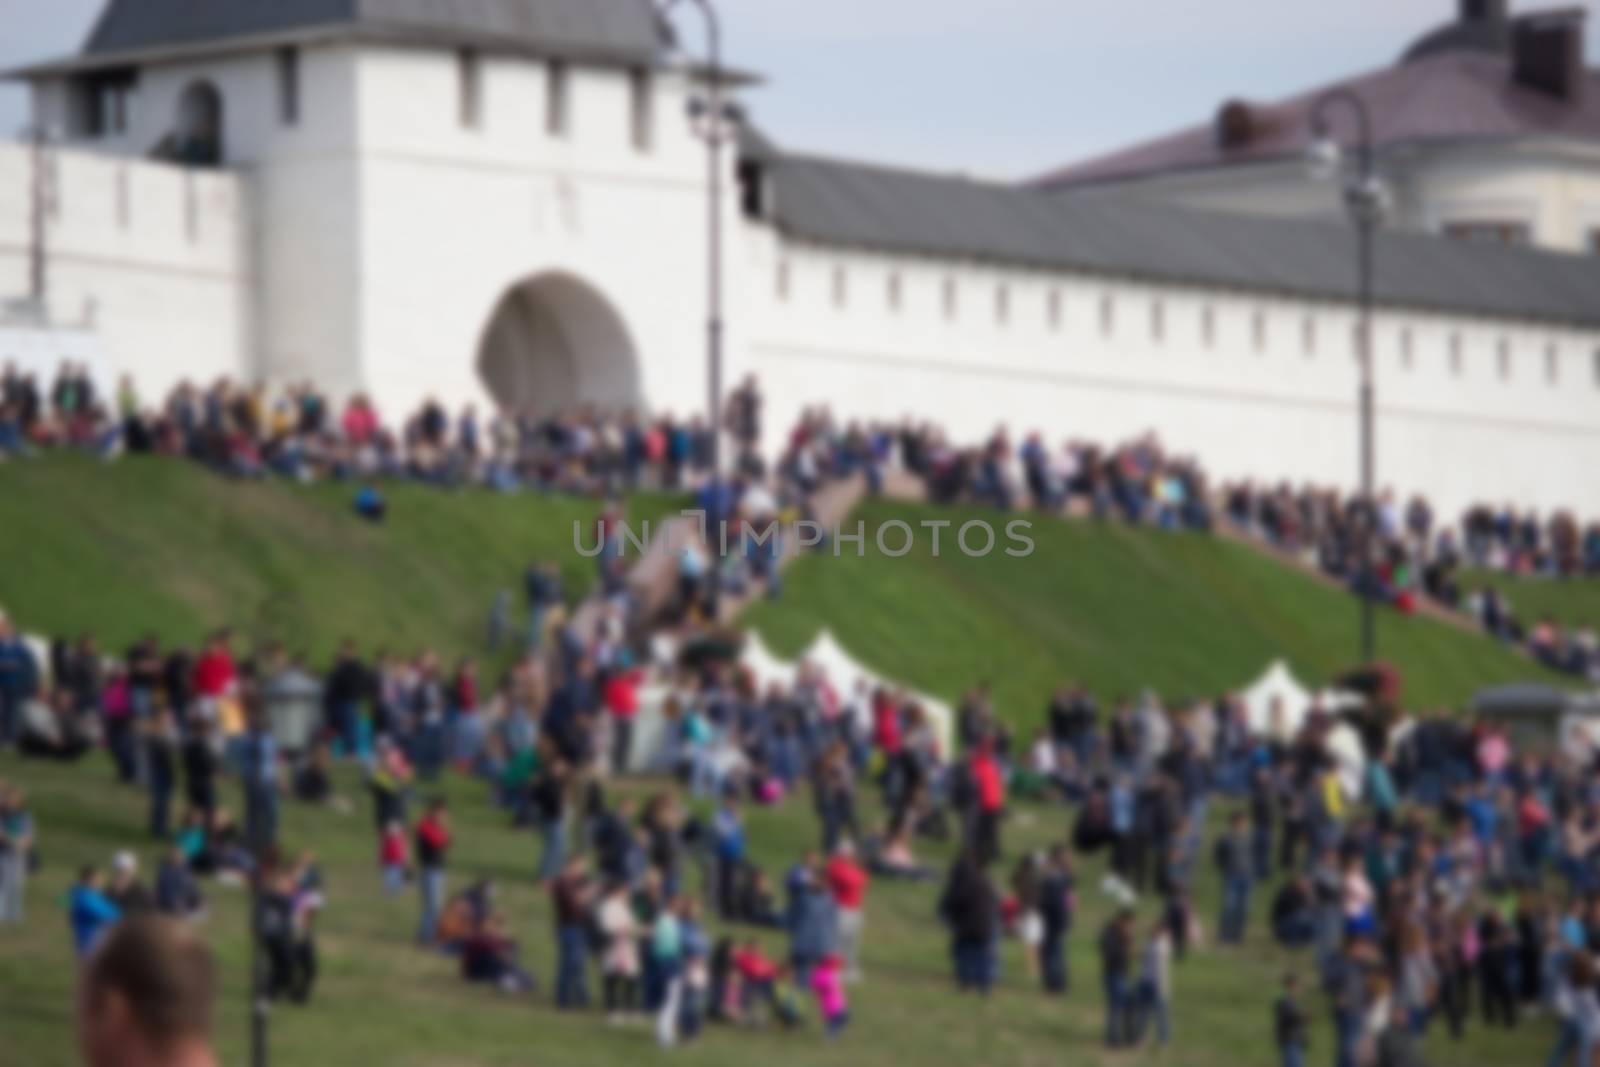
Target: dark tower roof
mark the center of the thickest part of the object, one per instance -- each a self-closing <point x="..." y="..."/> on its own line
<point x="610" y="30"/>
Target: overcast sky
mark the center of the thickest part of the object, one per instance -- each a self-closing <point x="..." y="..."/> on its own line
<point x="1006" y="88"/>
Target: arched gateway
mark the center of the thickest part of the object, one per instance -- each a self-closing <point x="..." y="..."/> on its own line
<point x="555" y="343"/>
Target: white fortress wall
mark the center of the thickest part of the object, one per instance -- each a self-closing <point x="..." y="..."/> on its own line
<point x="153" y="256"/>
<point x="1284" y="407"/>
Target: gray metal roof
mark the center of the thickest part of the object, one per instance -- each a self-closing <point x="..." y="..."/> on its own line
<point x="622" y="28"/>
<point x="1109" y="232"/>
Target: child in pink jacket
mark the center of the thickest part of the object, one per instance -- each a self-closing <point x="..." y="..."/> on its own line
<point x="827" y="982"/>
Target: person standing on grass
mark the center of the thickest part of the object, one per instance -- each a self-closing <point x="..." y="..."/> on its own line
<point x="543" y="587"/>
<point x="1291" y="1028"/>
<point x="432" y="848"/>
<point x="847" y="881"/>
<point x="548" y="796"/>
<point x="620" y="695"/>
<point x="811" y="920"/>
<point x="970" y="908"/>
<point x="1263" y="808"/>
<point x="1233" y="863"/>
<point x="573" y="894"/>
<point x="16" y="844"/>
<point x="161" y="744"/>
<point x="1116" y="958"/>
<point x="145" y="998"/>
<point x="1155" y="984"/>
<point x="347" y="687"/>
<point x="1056" y="905"/>
<point x="619" y="963"/>
<point x="666" y="954"/>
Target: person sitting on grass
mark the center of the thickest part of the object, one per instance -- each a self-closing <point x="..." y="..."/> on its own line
<point x="490" y="955"/>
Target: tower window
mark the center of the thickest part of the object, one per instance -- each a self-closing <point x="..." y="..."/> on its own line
<point x="1308" y="335"/>
<point x="1407" y="349"/>
<point x="952" y="297"/>
<point x="1456" y="359"/>
<point x="841" y="287"/>
<point x="783" y="280"/>
<point x="1108" y="314"/>
<point x="557" y="120"/>
<point x="289" y="86"/>
<point x="1158" y="321"/>
<point x="1502" y="358"/>
<point x="1208" y="326"/>
<point x="1552" y="363"/>
<point x="894" y="290"/>
<point x="469" y="72"/>
<point x="1258" y="330"/>
<point x="1002" y="305"/>
<point x="1054" y="309"/>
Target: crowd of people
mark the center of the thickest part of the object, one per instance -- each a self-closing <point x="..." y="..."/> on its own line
<point x="300" y="433"/>
<point x="1458" y="871"/>
<point x="1461" y="871"/>
<point x="1414" y="556"/>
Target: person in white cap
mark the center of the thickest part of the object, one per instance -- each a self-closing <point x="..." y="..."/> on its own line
<point x="125" y="890"/>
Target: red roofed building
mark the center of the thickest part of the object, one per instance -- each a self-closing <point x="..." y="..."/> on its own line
<point x="1488" y="129"/>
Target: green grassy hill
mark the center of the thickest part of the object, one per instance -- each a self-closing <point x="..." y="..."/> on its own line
<point x="1570" y="601"/>
<point x="1116" y="607"/>
<point x="158" y="545"/>
<point x="152" y="544"/>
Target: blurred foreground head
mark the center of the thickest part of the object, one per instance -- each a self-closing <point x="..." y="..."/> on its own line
<point x="145" y="997"/>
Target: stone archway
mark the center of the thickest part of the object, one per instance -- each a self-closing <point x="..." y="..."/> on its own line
<point x="554" y="343"/>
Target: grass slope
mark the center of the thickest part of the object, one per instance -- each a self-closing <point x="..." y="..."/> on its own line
<point x="151" y="544"/>
<point x="1570" y="601"/>
<point x="1117" y="607"/>
<point x="382" y="1001"/>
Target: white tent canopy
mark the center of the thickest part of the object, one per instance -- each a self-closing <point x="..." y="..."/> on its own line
<point x="1276" y="705"/>
<point x="846" y="674"/>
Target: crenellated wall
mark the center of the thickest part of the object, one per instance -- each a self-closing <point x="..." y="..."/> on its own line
<point x="155" y="257"/>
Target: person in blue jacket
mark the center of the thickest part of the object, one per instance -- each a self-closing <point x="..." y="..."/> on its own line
<point x="89" y="911"/>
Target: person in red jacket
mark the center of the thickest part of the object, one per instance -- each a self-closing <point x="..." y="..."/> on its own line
<point x="847" y="881"/>
<point x="885" y="725"/>
<point x="214" y="674"/>
<point x="620" y="695"/>
<point x="988" y="799"/>
<point x="433" y="845"/>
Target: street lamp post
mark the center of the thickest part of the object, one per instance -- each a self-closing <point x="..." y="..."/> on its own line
<point x="713" y="121"/>
<point x="1364" y="197"/>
